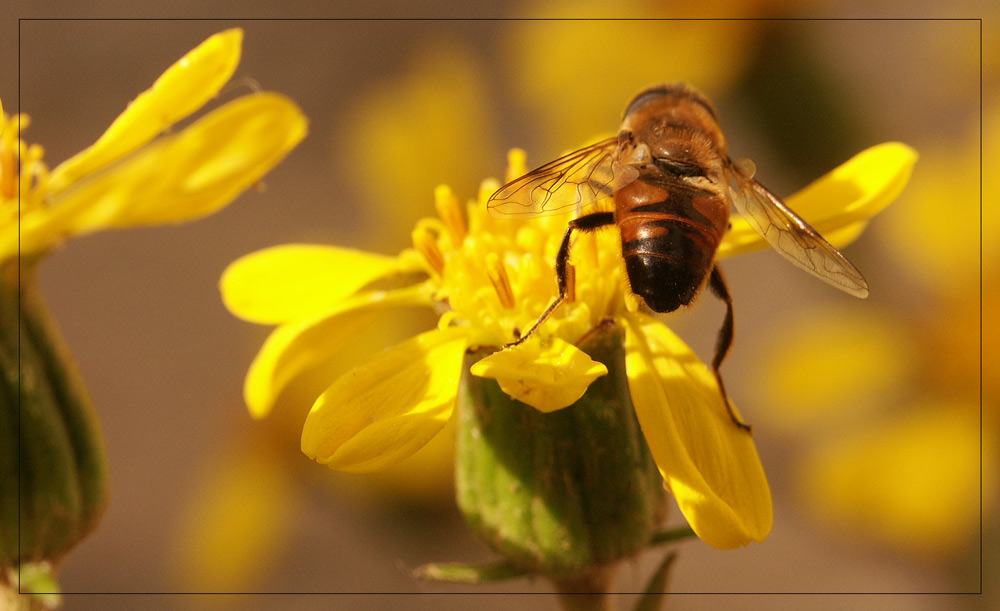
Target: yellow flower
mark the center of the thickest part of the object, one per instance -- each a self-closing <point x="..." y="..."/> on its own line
<point x="489" y="279"/>
<point x="124" y="179"/>
<point x="127" y="179"/>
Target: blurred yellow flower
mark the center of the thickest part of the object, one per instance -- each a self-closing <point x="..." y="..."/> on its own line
<point x="432" y="119"/>
<point x="551" y="59"/>
<point x="240" y="512"/>
<point x="916" y="449"/>
<point x="489" y="278"/>
<point x="127" y="179"/>
<point x="912" y="482"/>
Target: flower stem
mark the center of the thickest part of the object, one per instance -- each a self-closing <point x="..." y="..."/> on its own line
<point x="590" y="591"/>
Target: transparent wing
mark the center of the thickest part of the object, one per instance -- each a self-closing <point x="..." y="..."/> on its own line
<point x="791" y="236"/>
<point x="574" y="180"/>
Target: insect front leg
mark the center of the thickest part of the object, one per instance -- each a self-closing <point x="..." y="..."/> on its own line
<point x="588" y="222"/>
<point x="724" y="341"/>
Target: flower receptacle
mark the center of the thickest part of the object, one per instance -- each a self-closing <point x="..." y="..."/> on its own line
<point x="563" y="493"/>
<point x="53" y="468"/>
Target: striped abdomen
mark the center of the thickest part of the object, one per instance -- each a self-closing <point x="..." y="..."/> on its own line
<point x="669" y="237"/>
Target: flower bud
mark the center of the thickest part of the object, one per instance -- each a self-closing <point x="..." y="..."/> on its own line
<point x="53" y="470"/>
<point x="561" y="493"/>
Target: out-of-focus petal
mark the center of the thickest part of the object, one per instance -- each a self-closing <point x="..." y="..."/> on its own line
<point x="184" y="88"/>
<point x="236" y="520"/>
<point x="861" y="359"/>
<point x="708" y="463"/>
<point x="293" y="350"/>
<point x="295" y="281"/>
<point x="546" y="375"/>
<point x="178" y="178"/>
<point x="390" y="406"/>
<point x="432" y="120"/>
<point x="840" y="203"/>
<point x="553" y="60"/>
<point x="913" y="483"/>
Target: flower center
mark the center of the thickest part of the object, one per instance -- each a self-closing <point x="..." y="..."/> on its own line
<point x="498" y="274"/>
<point x="23" y="174"/>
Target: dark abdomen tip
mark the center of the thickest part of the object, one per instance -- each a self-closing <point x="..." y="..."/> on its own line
<point x="664" y="283"/>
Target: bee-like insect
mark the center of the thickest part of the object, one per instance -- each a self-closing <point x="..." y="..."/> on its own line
<point x="673" y="183"/>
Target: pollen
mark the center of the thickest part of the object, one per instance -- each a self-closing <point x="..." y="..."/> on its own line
<point x="497" y="273"/>
<point x="427" y="245"/>
<point x="450" y="212"/>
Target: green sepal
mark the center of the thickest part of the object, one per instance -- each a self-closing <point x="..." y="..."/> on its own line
<point x="670" y="536"/>
<point x="562" y="493"/>
<point x="653" y="596"/>
<point x="458" y="572"/>
<point x="30" y="587"/>
<point x="53" y="468"/>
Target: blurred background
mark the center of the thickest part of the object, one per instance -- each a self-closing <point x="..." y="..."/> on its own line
<point x="876" y="420"/>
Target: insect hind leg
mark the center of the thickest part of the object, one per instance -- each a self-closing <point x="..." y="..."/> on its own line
<point x="588" y="222"/>
<point x="724" y="341"/>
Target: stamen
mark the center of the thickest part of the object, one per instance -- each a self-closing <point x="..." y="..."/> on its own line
<point x="516" y="164"/>
<point x="9" y="169"/>
<point x="446" y="319"/>
<point x="501" y="282"/>
<point x="8" y="173"/>
<point x="631" y="302"/>
<point x="426" y="244"/>
<point x="37" y="175"/>
<point x="570" y="283"/>
<point x="450" y="212"/>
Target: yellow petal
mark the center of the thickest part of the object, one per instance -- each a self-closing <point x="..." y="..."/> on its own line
<point x="175" y="179"/>
<point x="184" y="88"/>
<point x="295" y="281"/>
<point x="709" y="464"/>
<point x="547" y="377"/>
<point x="839" y="204"/>
<point x="389" y="407"/>
<point x="293" y="351"/>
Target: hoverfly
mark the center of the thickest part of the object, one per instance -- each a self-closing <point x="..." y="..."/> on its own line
<point x="673" y="184"/>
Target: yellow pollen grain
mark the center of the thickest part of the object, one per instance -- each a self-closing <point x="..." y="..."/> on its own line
<point x="426" y="244"/>
<point x="501" y="282"/>
<point x="450" y="212"/>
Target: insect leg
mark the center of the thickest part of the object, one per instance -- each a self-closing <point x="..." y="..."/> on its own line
<point x="724" y="341"/>
<point x="588" y="222"/>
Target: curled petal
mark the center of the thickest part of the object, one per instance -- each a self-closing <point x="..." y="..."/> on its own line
<point x="547" y="376"/>
<point x="295" y="281"/>
<point x="293" y="353"/>
<point x="387" y="408"/>
<point x="184" y="88"/>
<point x="839" y="204"/>
<point x="177" y="178"/>
<point x="708" y="463"/>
